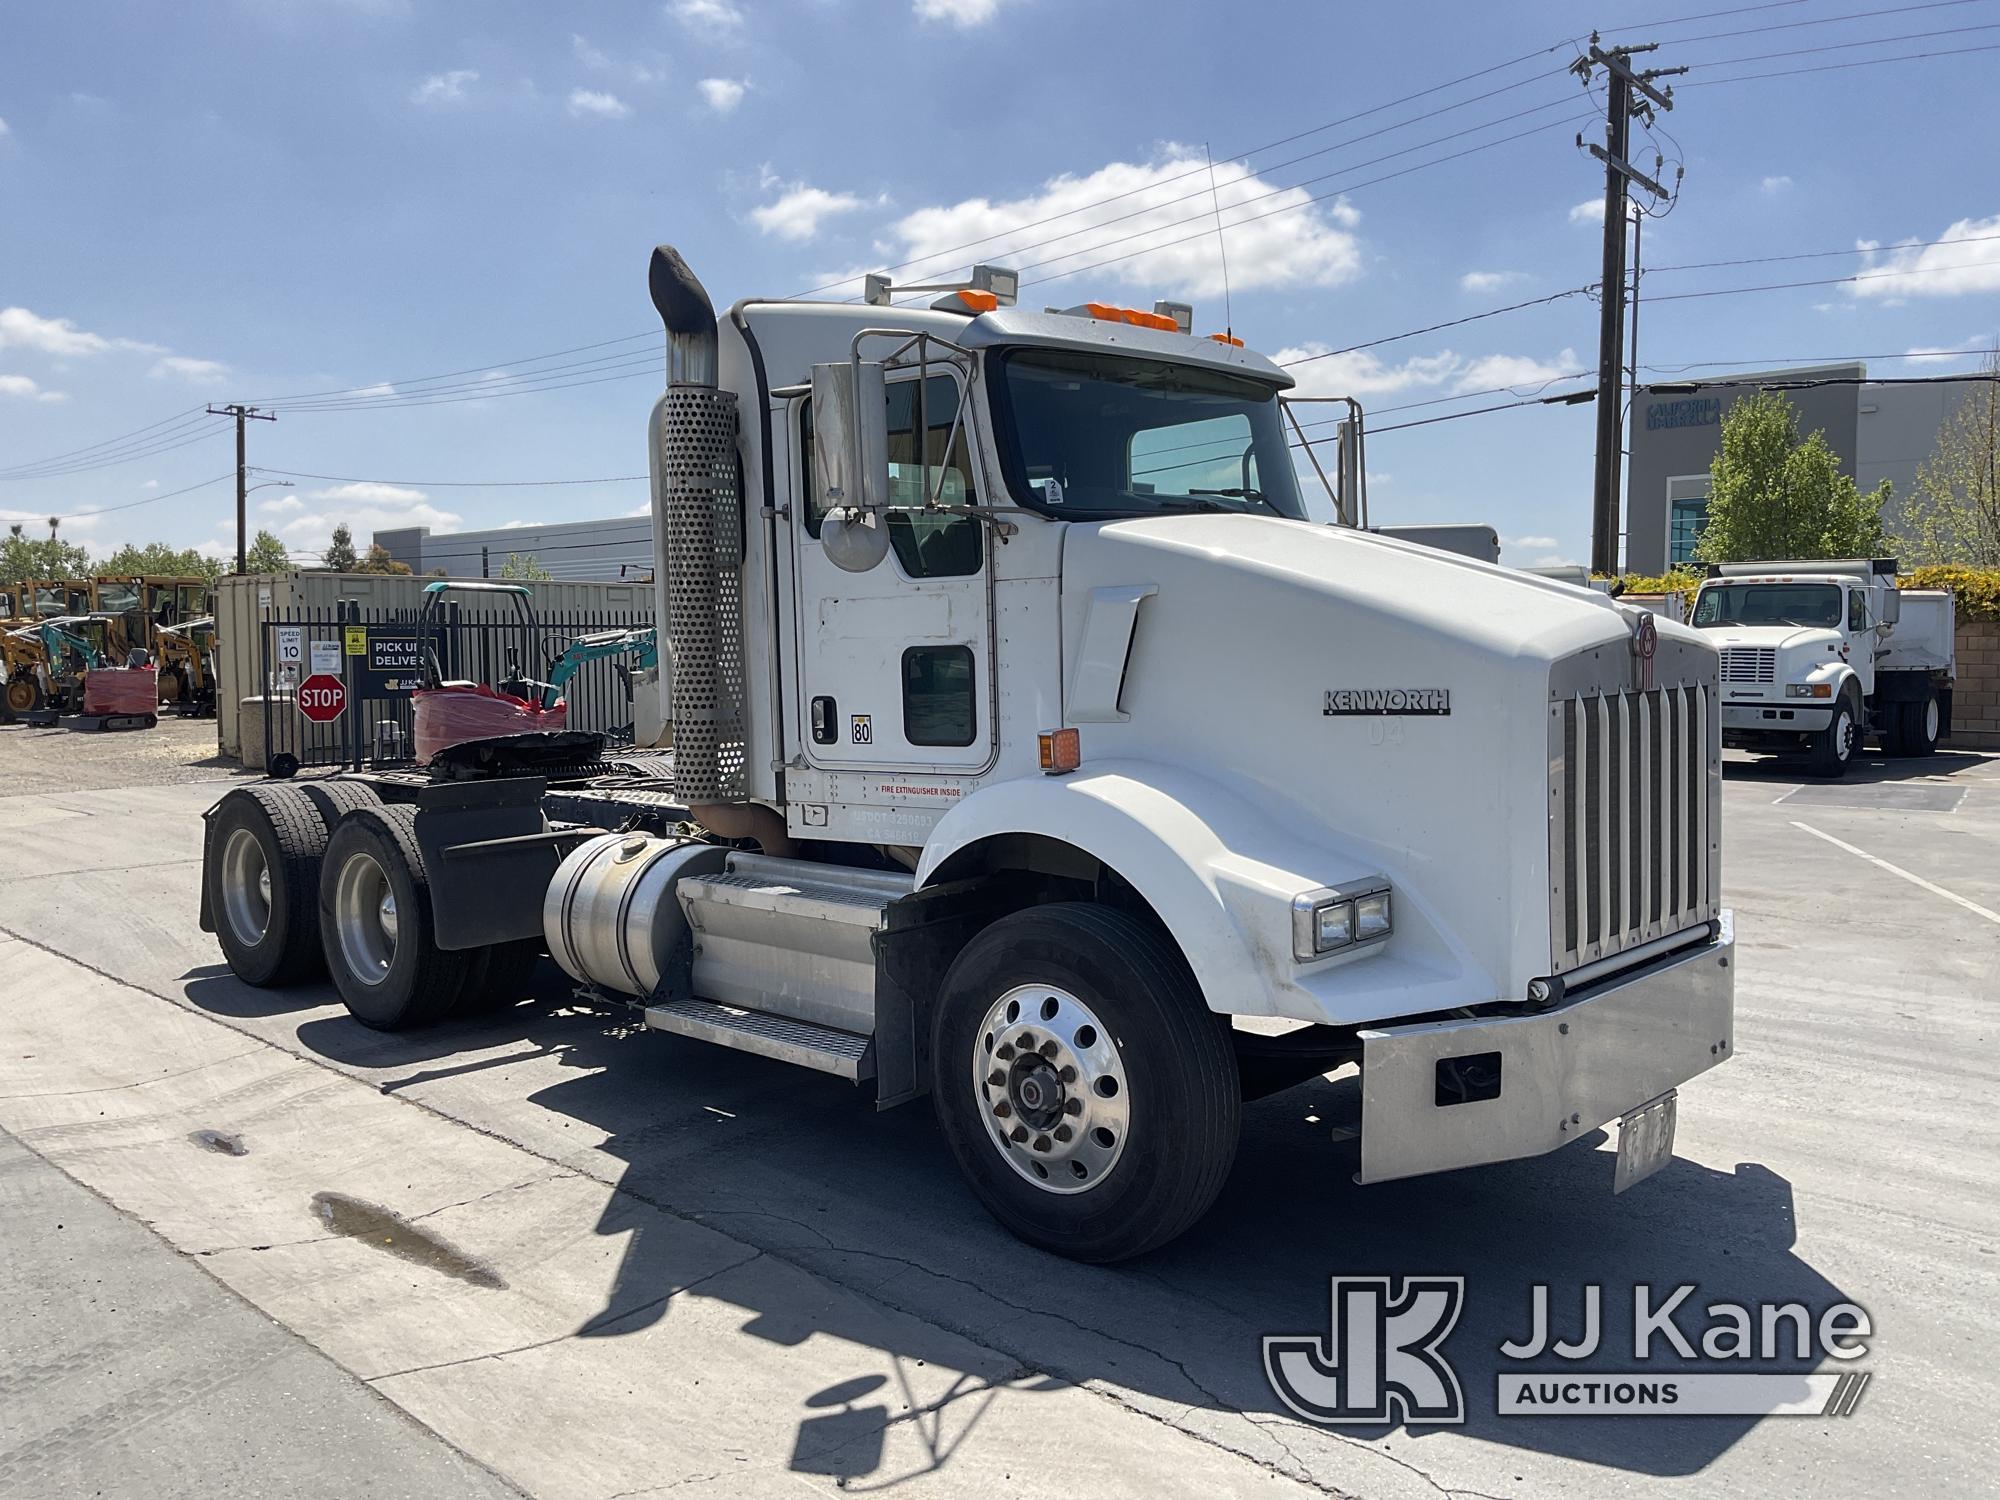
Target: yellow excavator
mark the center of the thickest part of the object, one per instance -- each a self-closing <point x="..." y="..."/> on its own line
<point x="173" y="617"/>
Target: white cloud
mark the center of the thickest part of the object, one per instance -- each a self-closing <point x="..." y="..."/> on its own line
<point x="1556" y="560"/>
<point x="444" y="88"/>
<point x="595" y="105"/>
<point x="1489" y="281"/>
<point x="520" y="525"/>
<point x="288" y="505"/>
<point x="1150" y="225"/>
<point x="1941" y="270"/>
<point x="20" y="387"/>
<point x="1530" y="543"/>
<point x="1590" y="211"/>
<point x="714" y="17"/>
<point x="151" y="484"/>
<point x="961" y="13"/>
<point x="22" y="329"/>
<point x="364" y="507"/>
<point x="723" y="94"/>
<point x="1363" y="373"/>
<point x="1772" y="186"/>
<point x="800" y="210"/>
<point x="5" y="130"/>
<point x="588" y="55"/>
<point x="198" y="371"/>
<point x="1521" y="371"/>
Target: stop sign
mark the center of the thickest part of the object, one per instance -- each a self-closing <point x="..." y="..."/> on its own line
<point x="322" y="698"/>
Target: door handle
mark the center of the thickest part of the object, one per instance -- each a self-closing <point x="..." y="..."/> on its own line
<point x="825" y="722"/>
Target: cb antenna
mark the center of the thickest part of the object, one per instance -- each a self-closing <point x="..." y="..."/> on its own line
<point x="1221" y="245"/>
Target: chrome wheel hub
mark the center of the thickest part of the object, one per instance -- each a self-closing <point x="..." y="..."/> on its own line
<point x="246" y="888"/>
<point x="364" y="915"/>
<point x="1051" y="1088"/>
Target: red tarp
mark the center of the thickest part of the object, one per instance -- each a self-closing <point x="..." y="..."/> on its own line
<point x="448" y="716"/>
<point x="121" y="690"/>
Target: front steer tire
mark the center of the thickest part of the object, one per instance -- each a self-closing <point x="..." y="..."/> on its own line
<point x="376" y="926"/>
<point x="1180" y="1093"/>
<point x="1831" y="750"/>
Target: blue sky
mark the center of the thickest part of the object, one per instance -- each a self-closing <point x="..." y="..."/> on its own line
<point x="251" y="199"/>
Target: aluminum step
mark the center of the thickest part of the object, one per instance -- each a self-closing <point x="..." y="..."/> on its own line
<point x="803" y="1043"/>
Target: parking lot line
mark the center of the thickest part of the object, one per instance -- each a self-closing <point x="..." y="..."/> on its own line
<point x="1935" y="889"/>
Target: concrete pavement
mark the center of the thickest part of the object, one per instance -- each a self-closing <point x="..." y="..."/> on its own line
<point x="717" y="1265"/>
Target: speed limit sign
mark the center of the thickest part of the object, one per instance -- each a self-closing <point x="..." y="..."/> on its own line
<point x="291" y="645"/>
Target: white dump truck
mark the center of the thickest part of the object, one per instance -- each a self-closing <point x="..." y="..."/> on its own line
<point x="1034" y="749"/>
<point x="1816" y="655"/>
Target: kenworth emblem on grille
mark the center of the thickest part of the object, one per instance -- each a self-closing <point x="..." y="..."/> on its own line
<point x="1645" y="642"/>
<point x="1373" y="701"/>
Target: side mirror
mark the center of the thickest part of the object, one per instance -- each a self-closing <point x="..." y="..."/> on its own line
<point x="851" y="462"/>
<point x="1892" y="605"/>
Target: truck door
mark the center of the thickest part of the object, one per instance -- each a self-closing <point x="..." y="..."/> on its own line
<point x="893" y="671"/>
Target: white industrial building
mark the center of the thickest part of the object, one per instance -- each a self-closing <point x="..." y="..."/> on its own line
<point x="619" y="548"/>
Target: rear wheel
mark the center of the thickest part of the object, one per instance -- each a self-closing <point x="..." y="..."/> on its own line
<point x="1922" y="725"/>
<point x="24" y="694"/>
<point x="376" y="928"/>
<point x="1089" y="1095"/>
<point x="499" y="976"/>
<point x="261" y="868"/>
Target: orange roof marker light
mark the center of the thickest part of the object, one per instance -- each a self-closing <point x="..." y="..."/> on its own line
<point x="967" y="301"/>
<point x="1104" y="312"/>
<point x="1225" y="338"/>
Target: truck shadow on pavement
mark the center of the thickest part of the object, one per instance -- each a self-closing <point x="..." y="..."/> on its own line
<point x="799" y="1166"/>
<point x="1868" y="768"/>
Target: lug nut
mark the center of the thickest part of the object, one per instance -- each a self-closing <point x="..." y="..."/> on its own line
<point x="1072" y="1106"/>
<point x="1049" y="1048"/>
<point x="1067" y="1075"/>
<point x="996" y="1078"/>
<point x="1004" y="1052"/>
<point x="1003" y="1109"/>
<point x="1025" y="1041"/>
<point x="1041" y="1143"/>
<point x="1063" y="1132"/>
<point x="1018" y="1133"/>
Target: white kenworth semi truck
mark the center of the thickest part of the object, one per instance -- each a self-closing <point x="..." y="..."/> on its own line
<point x="1034" y="747"/>
<point x="1817" y="655"/>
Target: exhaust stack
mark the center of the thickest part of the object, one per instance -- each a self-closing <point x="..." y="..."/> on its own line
<point x="698" y="543"/>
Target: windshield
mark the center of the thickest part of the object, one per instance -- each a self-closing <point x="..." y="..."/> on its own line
<point x="1767" y="604"/>
<point x="1093" y="435"/>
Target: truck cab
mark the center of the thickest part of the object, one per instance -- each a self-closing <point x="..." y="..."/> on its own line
<point x="1818" y="655"/>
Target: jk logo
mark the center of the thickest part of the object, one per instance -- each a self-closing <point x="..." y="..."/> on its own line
<point x="1381" y="1357"/>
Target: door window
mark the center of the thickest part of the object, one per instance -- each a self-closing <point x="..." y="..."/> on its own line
<point x="938" y="703"/>
<point x="927" y="546"/>
<point x="1857" y="611"/>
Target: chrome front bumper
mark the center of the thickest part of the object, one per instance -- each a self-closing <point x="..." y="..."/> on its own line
<point x="1562" y="1072"/>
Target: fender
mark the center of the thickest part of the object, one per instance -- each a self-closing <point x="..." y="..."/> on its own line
<point x="1221" y="873"/>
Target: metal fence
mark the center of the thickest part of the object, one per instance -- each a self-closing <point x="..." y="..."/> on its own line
<point x="379" y="654"/>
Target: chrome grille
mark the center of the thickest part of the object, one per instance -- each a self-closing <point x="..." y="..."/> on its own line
<point x="1749" y="664"/>
<point x="1635" y="795"/>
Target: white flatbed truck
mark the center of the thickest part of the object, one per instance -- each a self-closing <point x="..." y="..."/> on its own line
<point x="1817" y="655"/>
<point x="1026" y="733"/>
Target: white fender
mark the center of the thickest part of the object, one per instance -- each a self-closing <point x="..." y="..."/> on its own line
<point x="1221" y="874"/>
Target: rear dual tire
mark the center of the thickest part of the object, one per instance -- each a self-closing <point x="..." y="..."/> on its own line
<point x="261" y="870"/>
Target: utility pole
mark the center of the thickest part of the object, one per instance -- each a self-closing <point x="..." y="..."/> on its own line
<point x="242" y="413"/>
<point x="1618" y="171"/>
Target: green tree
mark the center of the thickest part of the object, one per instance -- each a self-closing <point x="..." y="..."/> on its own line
<point x="158" y="560"/>
<point x="525" y="569"/>
<point x="1774" y="495"/>
<point x="1954" y="516"/>
<point x="339" y="556"/>
<point x="26" y="557"/>
<point x="266" y="554"/>
<point x="378" y="560"/>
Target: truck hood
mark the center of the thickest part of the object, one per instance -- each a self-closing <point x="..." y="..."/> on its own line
<point x="1385" y="701"/>
<point x="1780" y="637"/>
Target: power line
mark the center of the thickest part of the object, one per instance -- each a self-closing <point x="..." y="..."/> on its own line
<point x="414" y="380"/>
<point x="1866" y="62"/>
<point x="183" y="431"/>
<point x="1782" y="286"/>
<point x="105" y="510"/>
<point x="1860" y="15"/>
<point x="1491" y="312"/>
<point x="55" y="458"/>
<point x="465" y="484"/>
<point x="1763" y="260"/>
<point x="1874" y="41"/>
<point x="1816" y="360"/>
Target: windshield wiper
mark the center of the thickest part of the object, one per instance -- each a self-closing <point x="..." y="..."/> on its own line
<point x="1240" y="494"/>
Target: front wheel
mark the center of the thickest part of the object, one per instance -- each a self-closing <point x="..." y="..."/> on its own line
<point x="1087" y="1092"/>
<point x="1833" y="747"/>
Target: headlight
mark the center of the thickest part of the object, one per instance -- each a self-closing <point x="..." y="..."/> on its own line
<point x="1808" y="690"/>
<point x="1329" y="920"/>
